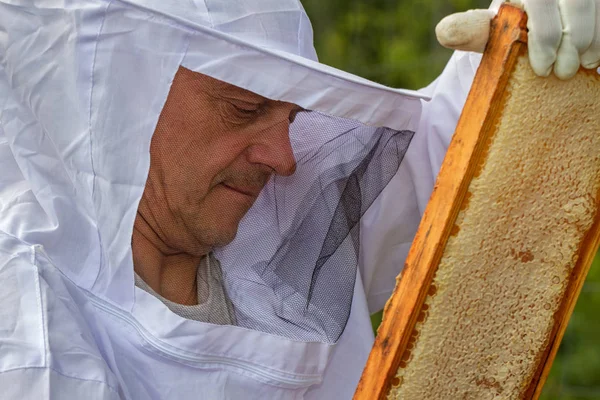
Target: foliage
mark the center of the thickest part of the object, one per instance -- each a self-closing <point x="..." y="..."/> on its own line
<point x="575" y="374"/>
<point x="393" y="42"/>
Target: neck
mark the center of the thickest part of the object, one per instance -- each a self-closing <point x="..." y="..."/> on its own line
<point x="169" y="272"/>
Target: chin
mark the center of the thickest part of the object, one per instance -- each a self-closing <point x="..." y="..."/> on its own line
<point x="216" y="223"/>
<point x="220" y="235"/>
<point x="225" y="238"/>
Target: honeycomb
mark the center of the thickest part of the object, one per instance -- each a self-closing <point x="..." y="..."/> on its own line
<point x="490" y="310"/>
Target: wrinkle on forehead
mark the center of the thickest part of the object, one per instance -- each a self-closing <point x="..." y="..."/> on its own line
<point x="223" y="89"/>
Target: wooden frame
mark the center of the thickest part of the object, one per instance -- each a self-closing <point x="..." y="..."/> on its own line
<point x="508" y="41"/>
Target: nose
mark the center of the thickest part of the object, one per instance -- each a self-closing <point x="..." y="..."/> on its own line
<point x="273" y="149"/>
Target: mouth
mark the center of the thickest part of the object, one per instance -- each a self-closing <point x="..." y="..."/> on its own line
<point x="247" y="191"/>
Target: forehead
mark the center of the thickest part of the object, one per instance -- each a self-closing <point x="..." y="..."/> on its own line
<point x="217" y="88"/>
<point x="211" y="85"/>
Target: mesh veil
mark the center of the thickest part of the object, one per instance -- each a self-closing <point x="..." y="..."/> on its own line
<point x="292" y="267"/>
<point x="296" y="274"/>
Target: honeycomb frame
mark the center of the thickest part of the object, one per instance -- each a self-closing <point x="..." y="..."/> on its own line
<point x="518" y="299"/>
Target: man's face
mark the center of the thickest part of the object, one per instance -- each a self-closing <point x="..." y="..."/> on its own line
<point x="214" y="149"/>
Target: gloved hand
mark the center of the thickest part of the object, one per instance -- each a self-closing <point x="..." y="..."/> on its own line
<point x="563" y="34"/>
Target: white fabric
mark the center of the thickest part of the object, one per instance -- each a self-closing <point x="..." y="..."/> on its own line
<point x="563" y="34"/>
<point x="466" y="31"/>
<point x="82" y="83"/>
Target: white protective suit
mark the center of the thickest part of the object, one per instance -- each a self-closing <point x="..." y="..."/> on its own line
<point x="82" y="83"/>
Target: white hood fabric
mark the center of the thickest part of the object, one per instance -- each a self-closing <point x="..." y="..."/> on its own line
<point x="82" y="84"/>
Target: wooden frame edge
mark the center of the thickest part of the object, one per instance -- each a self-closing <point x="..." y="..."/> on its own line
<point x="508" y="39"/>
<point x="587" y="252"/>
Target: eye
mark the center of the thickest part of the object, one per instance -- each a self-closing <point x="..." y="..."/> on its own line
<point x="247" y="109"/>
<point x="295" y="113"/>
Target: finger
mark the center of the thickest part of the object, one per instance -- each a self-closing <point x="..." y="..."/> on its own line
<point x="467" y="31"/>
<point x="545" y="32"/>
<point x="591" y="57"/>
<point x="578" y="19"/>
<point x="517" y="3"/>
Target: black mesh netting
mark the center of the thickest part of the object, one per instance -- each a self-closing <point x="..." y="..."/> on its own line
<point x="305" y="229"/>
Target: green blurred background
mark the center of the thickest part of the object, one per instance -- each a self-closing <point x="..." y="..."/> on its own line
<point x="393" y="42"/>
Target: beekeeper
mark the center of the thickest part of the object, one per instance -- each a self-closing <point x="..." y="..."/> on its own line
<point x="191" y="206"/>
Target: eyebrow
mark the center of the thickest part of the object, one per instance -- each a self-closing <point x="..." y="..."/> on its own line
<point x="235" y="92"/>
<point x="241" y="93"/>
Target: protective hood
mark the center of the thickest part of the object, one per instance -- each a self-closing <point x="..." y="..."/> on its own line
<point x="82" y="85"/>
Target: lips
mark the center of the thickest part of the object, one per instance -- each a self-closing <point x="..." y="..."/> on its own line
<point x="248" y="191"/>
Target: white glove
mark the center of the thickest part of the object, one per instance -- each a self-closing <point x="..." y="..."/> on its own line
<point x="563" y="34"/>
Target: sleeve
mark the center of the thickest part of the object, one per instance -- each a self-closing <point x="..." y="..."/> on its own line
<point x="438" y="121"/>
<point x="388" y="228"/>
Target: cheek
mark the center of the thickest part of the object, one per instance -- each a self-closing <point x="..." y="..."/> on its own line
<point x="193" y="154"/>
<point x="187" y="179"/>
<point x="193" y="174"/>
<point x="224" y="207"/>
